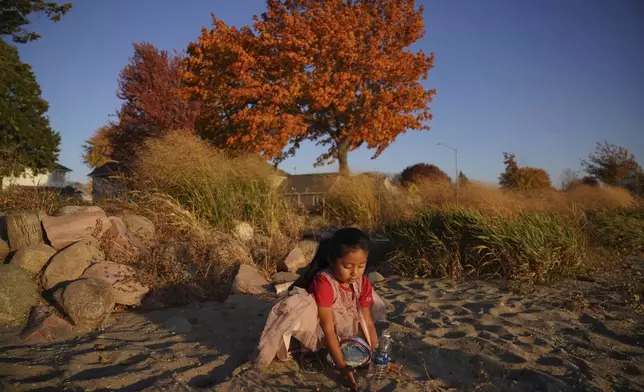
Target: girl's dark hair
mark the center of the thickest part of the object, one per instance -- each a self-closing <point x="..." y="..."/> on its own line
<point x="342" y="242"/>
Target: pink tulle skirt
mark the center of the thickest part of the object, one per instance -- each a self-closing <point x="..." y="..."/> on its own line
<point x="297" y="317"/>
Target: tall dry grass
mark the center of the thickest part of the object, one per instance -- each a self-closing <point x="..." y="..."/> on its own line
<point x="365" y="201"/>
<point x="532" y="236"/>
<point x="214" y="186"/>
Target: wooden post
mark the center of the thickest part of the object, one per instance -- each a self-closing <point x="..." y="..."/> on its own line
<point x="23" y="229"/>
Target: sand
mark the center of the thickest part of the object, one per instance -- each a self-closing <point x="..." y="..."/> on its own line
<point x="578" y="335"/>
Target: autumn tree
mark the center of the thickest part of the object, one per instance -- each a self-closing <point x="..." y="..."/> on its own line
<point x="419" y="172"/>
<point x="522" y="178"/>
<point x="98" y="149"/>
<point x="14" y="15"/>
<point x="510" y="177"/>
<point x="150" y="87"/>
<point x="336" y="72"/>
<point x="26" y="138"/>
<point x="462" y="179"/>
<point x="610" y="163"/>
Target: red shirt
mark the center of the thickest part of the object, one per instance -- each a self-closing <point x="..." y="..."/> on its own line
<point x="323" y="291"/>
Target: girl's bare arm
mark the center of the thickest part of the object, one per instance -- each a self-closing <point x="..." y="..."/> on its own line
<point x="371" y="328"/>
<point x="328" y="327"/>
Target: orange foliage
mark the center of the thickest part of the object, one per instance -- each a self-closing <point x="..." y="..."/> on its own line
<point x="335" y="72"/>
<point x="98" y="149"/>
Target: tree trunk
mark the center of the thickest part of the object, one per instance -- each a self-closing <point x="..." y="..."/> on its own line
<point x="23" y="229"/>
<point x="343" y="152"/>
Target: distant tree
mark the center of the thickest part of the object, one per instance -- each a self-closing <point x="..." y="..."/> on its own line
<point x="14" y="14"/>
<point x="98" y="149"/>
<point x="26" y="139"/>
<point x="419" y="172"/>
<point x="150" y="87"/>
<point x="590" y="181"/>
<point x="522" y="178"/>
<point x="610" y="163"/>
<point x="510" y="177"/>
<point x="462" y="179"/>
<point x="634" y="182"/>
<point x="532" y="179"/>
<point x="569" y="178"/>
<point x="337" y="72"/>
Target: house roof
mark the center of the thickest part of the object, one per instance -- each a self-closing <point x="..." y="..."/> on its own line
<point x="63" y="168"/>
<point x="309" y="183"/>
<point x="106" y="169"/>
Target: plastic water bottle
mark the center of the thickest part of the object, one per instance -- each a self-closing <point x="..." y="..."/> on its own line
<point x="380" y="360"/>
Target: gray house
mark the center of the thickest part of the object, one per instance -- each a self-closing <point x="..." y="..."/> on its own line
<point x="308" y="190"/>
<point x="107" y="181"/>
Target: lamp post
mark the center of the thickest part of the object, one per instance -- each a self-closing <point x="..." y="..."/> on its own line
<point x="456" y="162"/>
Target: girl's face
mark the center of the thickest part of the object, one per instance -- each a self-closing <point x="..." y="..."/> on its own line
<point x="351" y="267"/>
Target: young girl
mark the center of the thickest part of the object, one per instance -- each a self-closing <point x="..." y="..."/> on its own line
<point x="340" y="304"/>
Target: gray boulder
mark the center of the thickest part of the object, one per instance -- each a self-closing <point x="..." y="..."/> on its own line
<point x="18" y="293"/>
<point x="72" y="210"/>
<point x="375" y="277"/>
<point x="88" y="303"/>
<point x="139" y="226"/>
<point x="299" y="258"/>
<point x="250" y="281"/>
<point x="4" y="250"/>
<point x="122" y="278"/>
<point x="44" y="326"/>
<point x="33" y="258"/>
<point x="284" y="277"/>
<point x="71" y="262"/>
<point x="67" y="229"/>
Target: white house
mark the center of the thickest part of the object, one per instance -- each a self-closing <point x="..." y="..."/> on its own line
<point x="57" y="178"/>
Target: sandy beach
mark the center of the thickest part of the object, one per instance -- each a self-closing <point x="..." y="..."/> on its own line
<point x="577" y="335"/>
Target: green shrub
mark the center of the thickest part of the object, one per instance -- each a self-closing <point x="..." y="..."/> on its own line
<point x="621" y="231"/>
<point x="448" y="241"/>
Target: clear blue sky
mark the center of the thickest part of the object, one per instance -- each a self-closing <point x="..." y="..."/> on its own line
<point x="544" y="79"/>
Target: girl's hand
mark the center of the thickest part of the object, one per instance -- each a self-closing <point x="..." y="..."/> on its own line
<point x="348" y="374"/>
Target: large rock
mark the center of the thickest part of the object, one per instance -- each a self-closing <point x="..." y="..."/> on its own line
<point x="250" y="281"/>
<point x="284" y="277"/>
<point x="72" y="210"/>
<point x="88" y="303"/>
<point x="139" y="226"/>
<point x="375" y="277"/>
<point x="127" y="291"/>
<point x="67" y="229"/>
<point x="4" y="250"/>
<point x="117" y="233"/>
<point x="71" y="262"/>
<point x="299" y="258"/>
<point x="33" y="258"/>
<point x="244" y="231"/>
<point x="18" y="293"/>
<point x="44" y="326"/>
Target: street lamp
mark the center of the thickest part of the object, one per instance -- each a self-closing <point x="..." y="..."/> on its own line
<point x="456" y="161"/>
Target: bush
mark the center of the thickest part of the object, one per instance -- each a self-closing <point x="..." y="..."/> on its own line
<point x="422" y="172"/>
<point x="217" y="188"/>
<point x="22" y="198"/>
<point x="621" y="231"/>
<point x="453" y="240"/>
